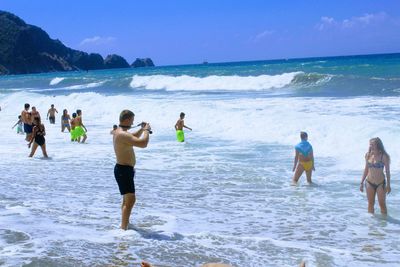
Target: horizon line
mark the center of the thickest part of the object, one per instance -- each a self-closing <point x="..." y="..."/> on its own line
<point x="279" y="59"/>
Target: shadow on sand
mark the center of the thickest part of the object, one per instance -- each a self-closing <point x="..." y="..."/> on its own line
<point x="387" y="218"/>
<point x="157" y="235"/>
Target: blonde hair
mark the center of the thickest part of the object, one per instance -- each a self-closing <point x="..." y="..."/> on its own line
<point x="379" y="145"/>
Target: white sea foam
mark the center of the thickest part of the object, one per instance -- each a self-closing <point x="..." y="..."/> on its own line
<point x="224" y="193"/>
<point x="334" y="125"/>
<point x="56" y="80"/>
<point x="72" y="87"/>
<point x="210" y="83"/>
<point x="84" y="86"/>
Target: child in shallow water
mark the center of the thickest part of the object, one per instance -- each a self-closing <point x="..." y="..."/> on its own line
<point x="115" y="127"/>
<point x="19" y="127"/>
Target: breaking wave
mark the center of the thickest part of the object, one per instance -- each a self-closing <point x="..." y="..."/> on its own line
<point x="213" y="82"/>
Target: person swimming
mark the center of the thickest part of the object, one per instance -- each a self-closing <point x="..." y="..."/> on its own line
<point x="304" y="159"/>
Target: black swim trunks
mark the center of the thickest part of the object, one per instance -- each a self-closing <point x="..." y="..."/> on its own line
<point x="124" y="176"/>
<point x="52" y="119"/>
<point x="28" y="128"/>
<point x="39" y="139"/>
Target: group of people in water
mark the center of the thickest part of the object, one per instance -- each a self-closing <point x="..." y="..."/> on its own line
<point x="377" y="160"/>
<point x="30" y="123"/>
<point x="34" y="129"/>
<point x="375" y="178"/>
<point x="75" y="126"/>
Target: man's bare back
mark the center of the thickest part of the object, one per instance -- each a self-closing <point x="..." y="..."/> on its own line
<point x="179" y="124"/>
<point x="26" y="117"/>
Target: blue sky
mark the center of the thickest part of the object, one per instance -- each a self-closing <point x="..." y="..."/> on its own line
<point x="189" y="31"/>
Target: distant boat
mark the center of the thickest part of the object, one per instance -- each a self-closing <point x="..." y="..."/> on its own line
<point x="205" y="62"/>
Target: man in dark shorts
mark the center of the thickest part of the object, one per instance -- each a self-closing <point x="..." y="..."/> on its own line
<point x="26" y="118"/>
<point x="124" y="170"/>
<point x="51" y="114"/>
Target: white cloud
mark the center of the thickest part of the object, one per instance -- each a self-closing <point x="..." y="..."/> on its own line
<point x="326" y="22"/>
<point x="354" y="22"/>
<point x="262" y="35"/>
<point x="97" y="40"/>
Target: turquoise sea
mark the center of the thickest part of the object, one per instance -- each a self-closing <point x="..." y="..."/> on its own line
<point x="222" y="196"/>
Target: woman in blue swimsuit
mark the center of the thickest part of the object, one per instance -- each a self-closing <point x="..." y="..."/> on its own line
<point x="376" y="160"/>
<point x="65" y="118"/>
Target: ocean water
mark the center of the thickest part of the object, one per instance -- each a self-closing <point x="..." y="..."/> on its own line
<point x="222" y="196"/>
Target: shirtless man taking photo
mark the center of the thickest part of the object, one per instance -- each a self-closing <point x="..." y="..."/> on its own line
<point x="124" y="170"/>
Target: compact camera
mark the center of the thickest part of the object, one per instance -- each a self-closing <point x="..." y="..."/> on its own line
<point x="142" y="124"/>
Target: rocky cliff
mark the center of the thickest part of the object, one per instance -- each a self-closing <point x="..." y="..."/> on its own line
<point x="115" y="61"/>
<point x="26" y="49"/>
<point x="142" y="62"/>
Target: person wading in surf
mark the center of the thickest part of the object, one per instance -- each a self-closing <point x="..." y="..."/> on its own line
<point x="26" y="117"/>
<point x="179" y="125"/>
<point x="376" y="160"/>
<point x="51" y="114"/>
<point x="124" y="170"/>
<point x="305" y="157"/>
